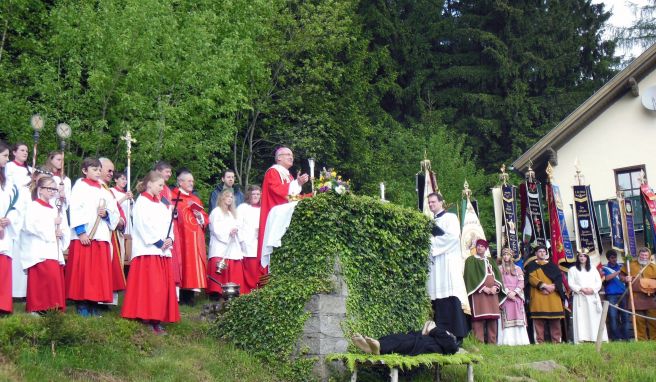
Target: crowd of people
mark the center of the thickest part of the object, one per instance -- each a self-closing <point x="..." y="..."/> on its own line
<point x="510" y="305"/>
<point x="64" y="240"/>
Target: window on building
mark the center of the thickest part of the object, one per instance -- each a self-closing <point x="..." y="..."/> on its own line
<point x="627" y="180"/>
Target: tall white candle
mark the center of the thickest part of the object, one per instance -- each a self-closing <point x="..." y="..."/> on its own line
<point x="382" y="191"/>
<point x="311" y="163"/>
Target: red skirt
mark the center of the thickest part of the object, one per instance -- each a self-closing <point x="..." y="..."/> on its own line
<point x="6" y="303"/>
<point x="233" y="274"/>
<point x="118" y="277"/>
<point x="45" y="287"/>
<point x="88" y="272"/>
<point x="150" y="294"/>
<point x="252" y="272"/>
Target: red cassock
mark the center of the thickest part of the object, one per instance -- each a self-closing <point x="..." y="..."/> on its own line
<point x="274" y="192"/>
<point x="189" y="241"/>
<point x="6" y="302"/>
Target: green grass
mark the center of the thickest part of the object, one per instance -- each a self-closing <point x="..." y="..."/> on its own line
<point x="114" y="349"/>
<point x="617" y="361"/>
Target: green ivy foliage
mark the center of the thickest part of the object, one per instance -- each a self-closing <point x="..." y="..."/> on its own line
<point x="381" y="251"/>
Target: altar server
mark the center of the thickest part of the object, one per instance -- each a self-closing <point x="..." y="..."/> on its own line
<point x="248" y="214"/>
<point x="19" y="173"/>
<point x="226" y="254"/>
<point x="8" y="231"/>
<point x="45" y="236"/>
<point x="54" y="164"/>
<point x="94" y="215"/>
<point x="150" y="295"/>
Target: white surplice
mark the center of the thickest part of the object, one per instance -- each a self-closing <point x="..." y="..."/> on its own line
<point x="249" y="224"/>
<point x="150" y="225"/>
<point x="85" y="200"/>
<point x="446" y="267"/>
<point x="38" y="240"/>
<point x="221" y="243"/>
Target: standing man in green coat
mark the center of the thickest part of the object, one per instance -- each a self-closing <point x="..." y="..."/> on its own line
<point x="485" y="291"/>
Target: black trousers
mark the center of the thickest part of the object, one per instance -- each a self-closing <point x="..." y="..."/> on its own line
<point x="413" y="343"/>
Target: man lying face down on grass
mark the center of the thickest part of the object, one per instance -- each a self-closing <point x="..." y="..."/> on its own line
<point x="431" y="339"/>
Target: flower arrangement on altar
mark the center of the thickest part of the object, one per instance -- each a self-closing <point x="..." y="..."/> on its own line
<point x="330" y="181"/>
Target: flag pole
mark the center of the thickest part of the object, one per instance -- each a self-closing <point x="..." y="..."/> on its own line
<point x="620" y="201"/>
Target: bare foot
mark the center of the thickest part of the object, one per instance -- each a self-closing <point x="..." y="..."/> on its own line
<point x="361" y="343"/>
<point x="374" y="345"/>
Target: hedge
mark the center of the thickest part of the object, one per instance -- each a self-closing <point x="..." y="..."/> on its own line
<point x="382" y="251"/>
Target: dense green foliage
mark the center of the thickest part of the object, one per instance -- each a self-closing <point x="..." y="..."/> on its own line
<point x="501" y="72"/>
<point x="363" y="86"/>
<point x="381" y="251"/>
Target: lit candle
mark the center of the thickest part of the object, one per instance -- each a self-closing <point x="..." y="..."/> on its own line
<point x="382" y="191"/>
<point x="311" y="163"/>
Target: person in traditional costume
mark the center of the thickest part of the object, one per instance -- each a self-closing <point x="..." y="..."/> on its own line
<point x="585" y="283"/>
<point x="54" y="165"/>
<point x="19" y="173"/>
<point x="277" y="186"/>
<point x="150" y="295"/>
<point x="432" y="339"/>
<point x="117" y="247"/>
<point x="225" y="264"/>
<point x="619" y="323"/>
<point x="446" y="285"/>
<point x="486" y="292"/>
<point x="512" y="326"/>
<point x="544" y="285"/>
<point x="8" y="231"/>
<point x="227" y="183"/>
<point x="45" y="237"/>
<point x="190" y="224"/>
<point x="643" y="279"/>
<point x="248" y="214"/>
<point x="94" y="214"/>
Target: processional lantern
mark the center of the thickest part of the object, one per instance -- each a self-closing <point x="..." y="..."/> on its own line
<point x="37" y="125"/>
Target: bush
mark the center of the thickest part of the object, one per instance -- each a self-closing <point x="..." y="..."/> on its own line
<point x="382" y="251"/>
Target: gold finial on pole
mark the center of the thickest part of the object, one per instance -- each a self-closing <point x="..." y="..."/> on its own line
<point x="530" y="174"/>
<point x="466" y="192"/>
<point x="550" y="172"/>
<point x="503" y="176"/>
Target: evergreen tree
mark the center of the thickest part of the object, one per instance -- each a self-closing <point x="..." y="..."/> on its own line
<point x="501" y="72"/>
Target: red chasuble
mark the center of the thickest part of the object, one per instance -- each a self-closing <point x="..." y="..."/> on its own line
<point x="190" y="241"/>
<point x="274" y="192"/>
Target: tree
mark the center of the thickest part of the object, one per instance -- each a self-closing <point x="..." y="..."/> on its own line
<point x="642" y="32"/>
<point x="502" y="73"/>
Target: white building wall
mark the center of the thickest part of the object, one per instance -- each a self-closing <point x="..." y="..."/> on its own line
<point x="622" y="136"/>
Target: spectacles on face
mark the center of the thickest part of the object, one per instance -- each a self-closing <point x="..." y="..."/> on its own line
<point x="53" y="189"/>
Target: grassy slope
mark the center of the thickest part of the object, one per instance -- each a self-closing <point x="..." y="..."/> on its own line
<point x="114" y="349"/>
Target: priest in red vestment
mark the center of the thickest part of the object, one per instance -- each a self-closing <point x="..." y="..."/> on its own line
<point x="190" y="223"/>
<point x="277" y="185"/>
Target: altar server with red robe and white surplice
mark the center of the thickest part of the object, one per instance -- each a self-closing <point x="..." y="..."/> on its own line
<point x="45" y="237"/>
<point x="150" y="295"/>
<point x="277" y="185"/>
<point x="248" y="214"/>
<point x="94" y="214"/>
<point x="8" y="231"/>
<point x="226" y="254"/>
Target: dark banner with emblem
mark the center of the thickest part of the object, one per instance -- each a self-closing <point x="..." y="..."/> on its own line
<point x="584" y="219"/>
<point x="533" y="232"/>
<point x="616" y="231"/>
<point x="630" y="228"/>
<point x="510" y="219"/>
